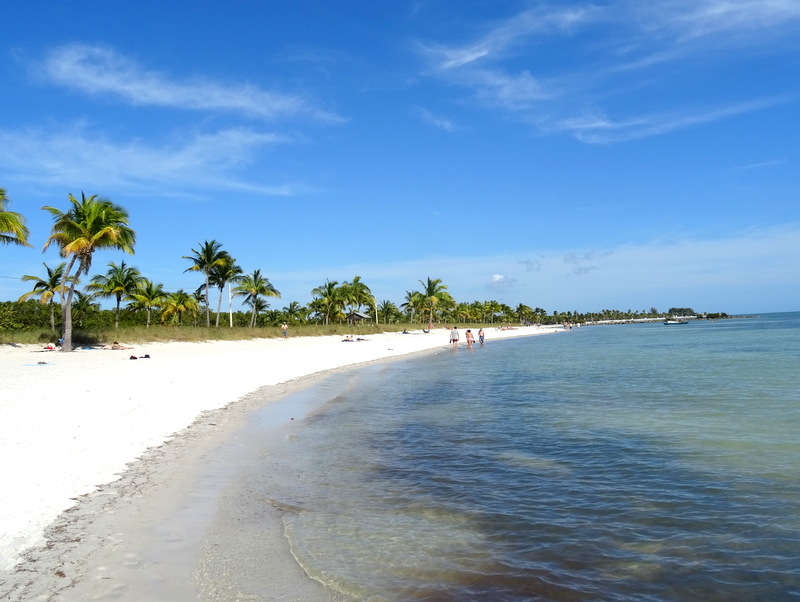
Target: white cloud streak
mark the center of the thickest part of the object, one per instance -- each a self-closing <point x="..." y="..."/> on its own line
<point x="599" y="129"/>
<point x="640" y="38"/>
<point x="76" y="156"/>
<point x="436" y="120"/>
<point x="692" y="19"/>
<point x="98" y="70"/>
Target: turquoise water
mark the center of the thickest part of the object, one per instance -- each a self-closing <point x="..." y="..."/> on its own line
<point x="636" y="462"/>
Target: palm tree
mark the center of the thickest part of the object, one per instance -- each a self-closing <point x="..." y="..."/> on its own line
<point x="524" y="313"/>
<point x="204" y="259"/>
<point x="257" y="307"/>
<point x="294" y="312"/>
<point x="330" y="298"/>
<point x="83" y="307"/>
<point x="356" y="293"/>
<point x="118" y="282"/>
<point x="251" y="287"/>
<point x="435" y="294"/>
<point x="148" y="296"/>
<point x="317" y="309"/>
<point x="492" y="308"/>
<point x="387" y="310"/>
<point x="414" y="301"/>
<point x="12" y="225"/>
<point x="177" y="304"/>
<point x="87" y="226"/>
<point x="273" y="317"/>
<point x="47" y="289"/>
<point x="199" y="296"/>
<point x="221" y="274"/>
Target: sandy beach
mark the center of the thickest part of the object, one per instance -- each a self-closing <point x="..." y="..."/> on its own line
<point x="73" y="423"/>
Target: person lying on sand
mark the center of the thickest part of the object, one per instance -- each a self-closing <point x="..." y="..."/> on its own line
<point x="115" y="346"/>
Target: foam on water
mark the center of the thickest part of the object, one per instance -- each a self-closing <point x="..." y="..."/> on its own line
<point x="610" y="462"/>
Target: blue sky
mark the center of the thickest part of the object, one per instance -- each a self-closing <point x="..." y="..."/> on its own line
<point x="565" y="155"/>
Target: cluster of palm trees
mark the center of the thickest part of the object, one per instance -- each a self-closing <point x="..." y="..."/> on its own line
<point x="91" y="224"/>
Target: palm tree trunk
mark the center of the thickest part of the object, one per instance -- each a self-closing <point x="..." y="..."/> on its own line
<point x="66" y="344"/>
<point x="64" y="295"/>
<point x="219" y="304"/>
<point x="208" y="306"/>
<point x="66" y="308"/>
<point x="230" y="304"/>
<point x="253" y="313"/>
<point x="52" y="316"/>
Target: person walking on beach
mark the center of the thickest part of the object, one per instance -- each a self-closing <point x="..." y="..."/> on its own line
<point x="454" y="337"/>
<point x="470" y="339"/>
<point x="481" y="337"/>
<point x="284" y="330"/>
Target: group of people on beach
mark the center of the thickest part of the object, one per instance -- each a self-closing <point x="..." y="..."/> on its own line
<point x="115" y="346"/>
<point x="470" y="338"/>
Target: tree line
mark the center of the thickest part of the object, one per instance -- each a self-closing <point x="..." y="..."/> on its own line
<point x="91" y="224"/>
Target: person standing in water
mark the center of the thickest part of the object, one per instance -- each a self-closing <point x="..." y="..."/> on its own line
<point x="454" y="337"/>
<point x="481" y="337"/>
<point x="470" y="339"/>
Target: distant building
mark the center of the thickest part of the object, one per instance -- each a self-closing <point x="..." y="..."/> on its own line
<point x="357" y="316"/>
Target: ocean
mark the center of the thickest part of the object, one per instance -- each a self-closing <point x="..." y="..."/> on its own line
<point x="627" y="462"/>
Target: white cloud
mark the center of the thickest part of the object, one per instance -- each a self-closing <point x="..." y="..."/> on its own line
<point x="76" y="156"/>
<point x="507" y="34"/>
<point x="101" y="70"/>
<point x="500" y="282"/>
<point x="690" y="19"/>
<point x="436" y="120"/>
<point x="598" y="128"/>
<point x="504" y="67"/>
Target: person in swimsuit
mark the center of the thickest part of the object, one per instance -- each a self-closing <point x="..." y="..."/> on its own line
<point x="454" y="337"/>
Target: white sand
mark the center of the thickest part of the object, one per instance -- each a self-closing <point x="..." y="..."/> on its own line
<point x="77" y="420"/>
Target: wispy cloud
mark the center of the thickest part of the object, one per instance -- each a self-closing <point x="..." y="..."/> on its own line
<point x="436" y="120"/>
<point x="77" y="155"/>
<point x="506" y="67"/>
<point x="478" y="65"/>
<point x="691" y="19"/>
<point x="507" y="34"/>
<point x="598" y="128"/>
<point x="762" y="164"/>
<point x="101" y="70"/>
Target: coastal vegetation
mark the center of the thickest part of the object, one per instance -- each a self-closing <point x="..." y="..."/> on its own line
<point x="144" y="310"/>
<point x="12" y="225"/>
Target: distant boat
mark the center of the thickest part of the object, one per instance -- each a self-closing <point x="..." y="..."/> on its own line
<point x="671" y="321"/>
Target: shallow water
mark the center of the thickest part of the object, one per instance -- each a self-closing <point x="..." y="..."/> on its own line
<point x="620" y="462"/>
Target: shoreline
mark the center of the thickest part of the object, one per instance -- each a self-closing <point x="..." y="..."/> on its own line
<point x="124" y="430"/>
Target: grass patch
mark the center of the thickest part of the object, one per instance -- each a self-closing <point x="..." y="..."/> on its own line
<point x="165" y="334"/>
